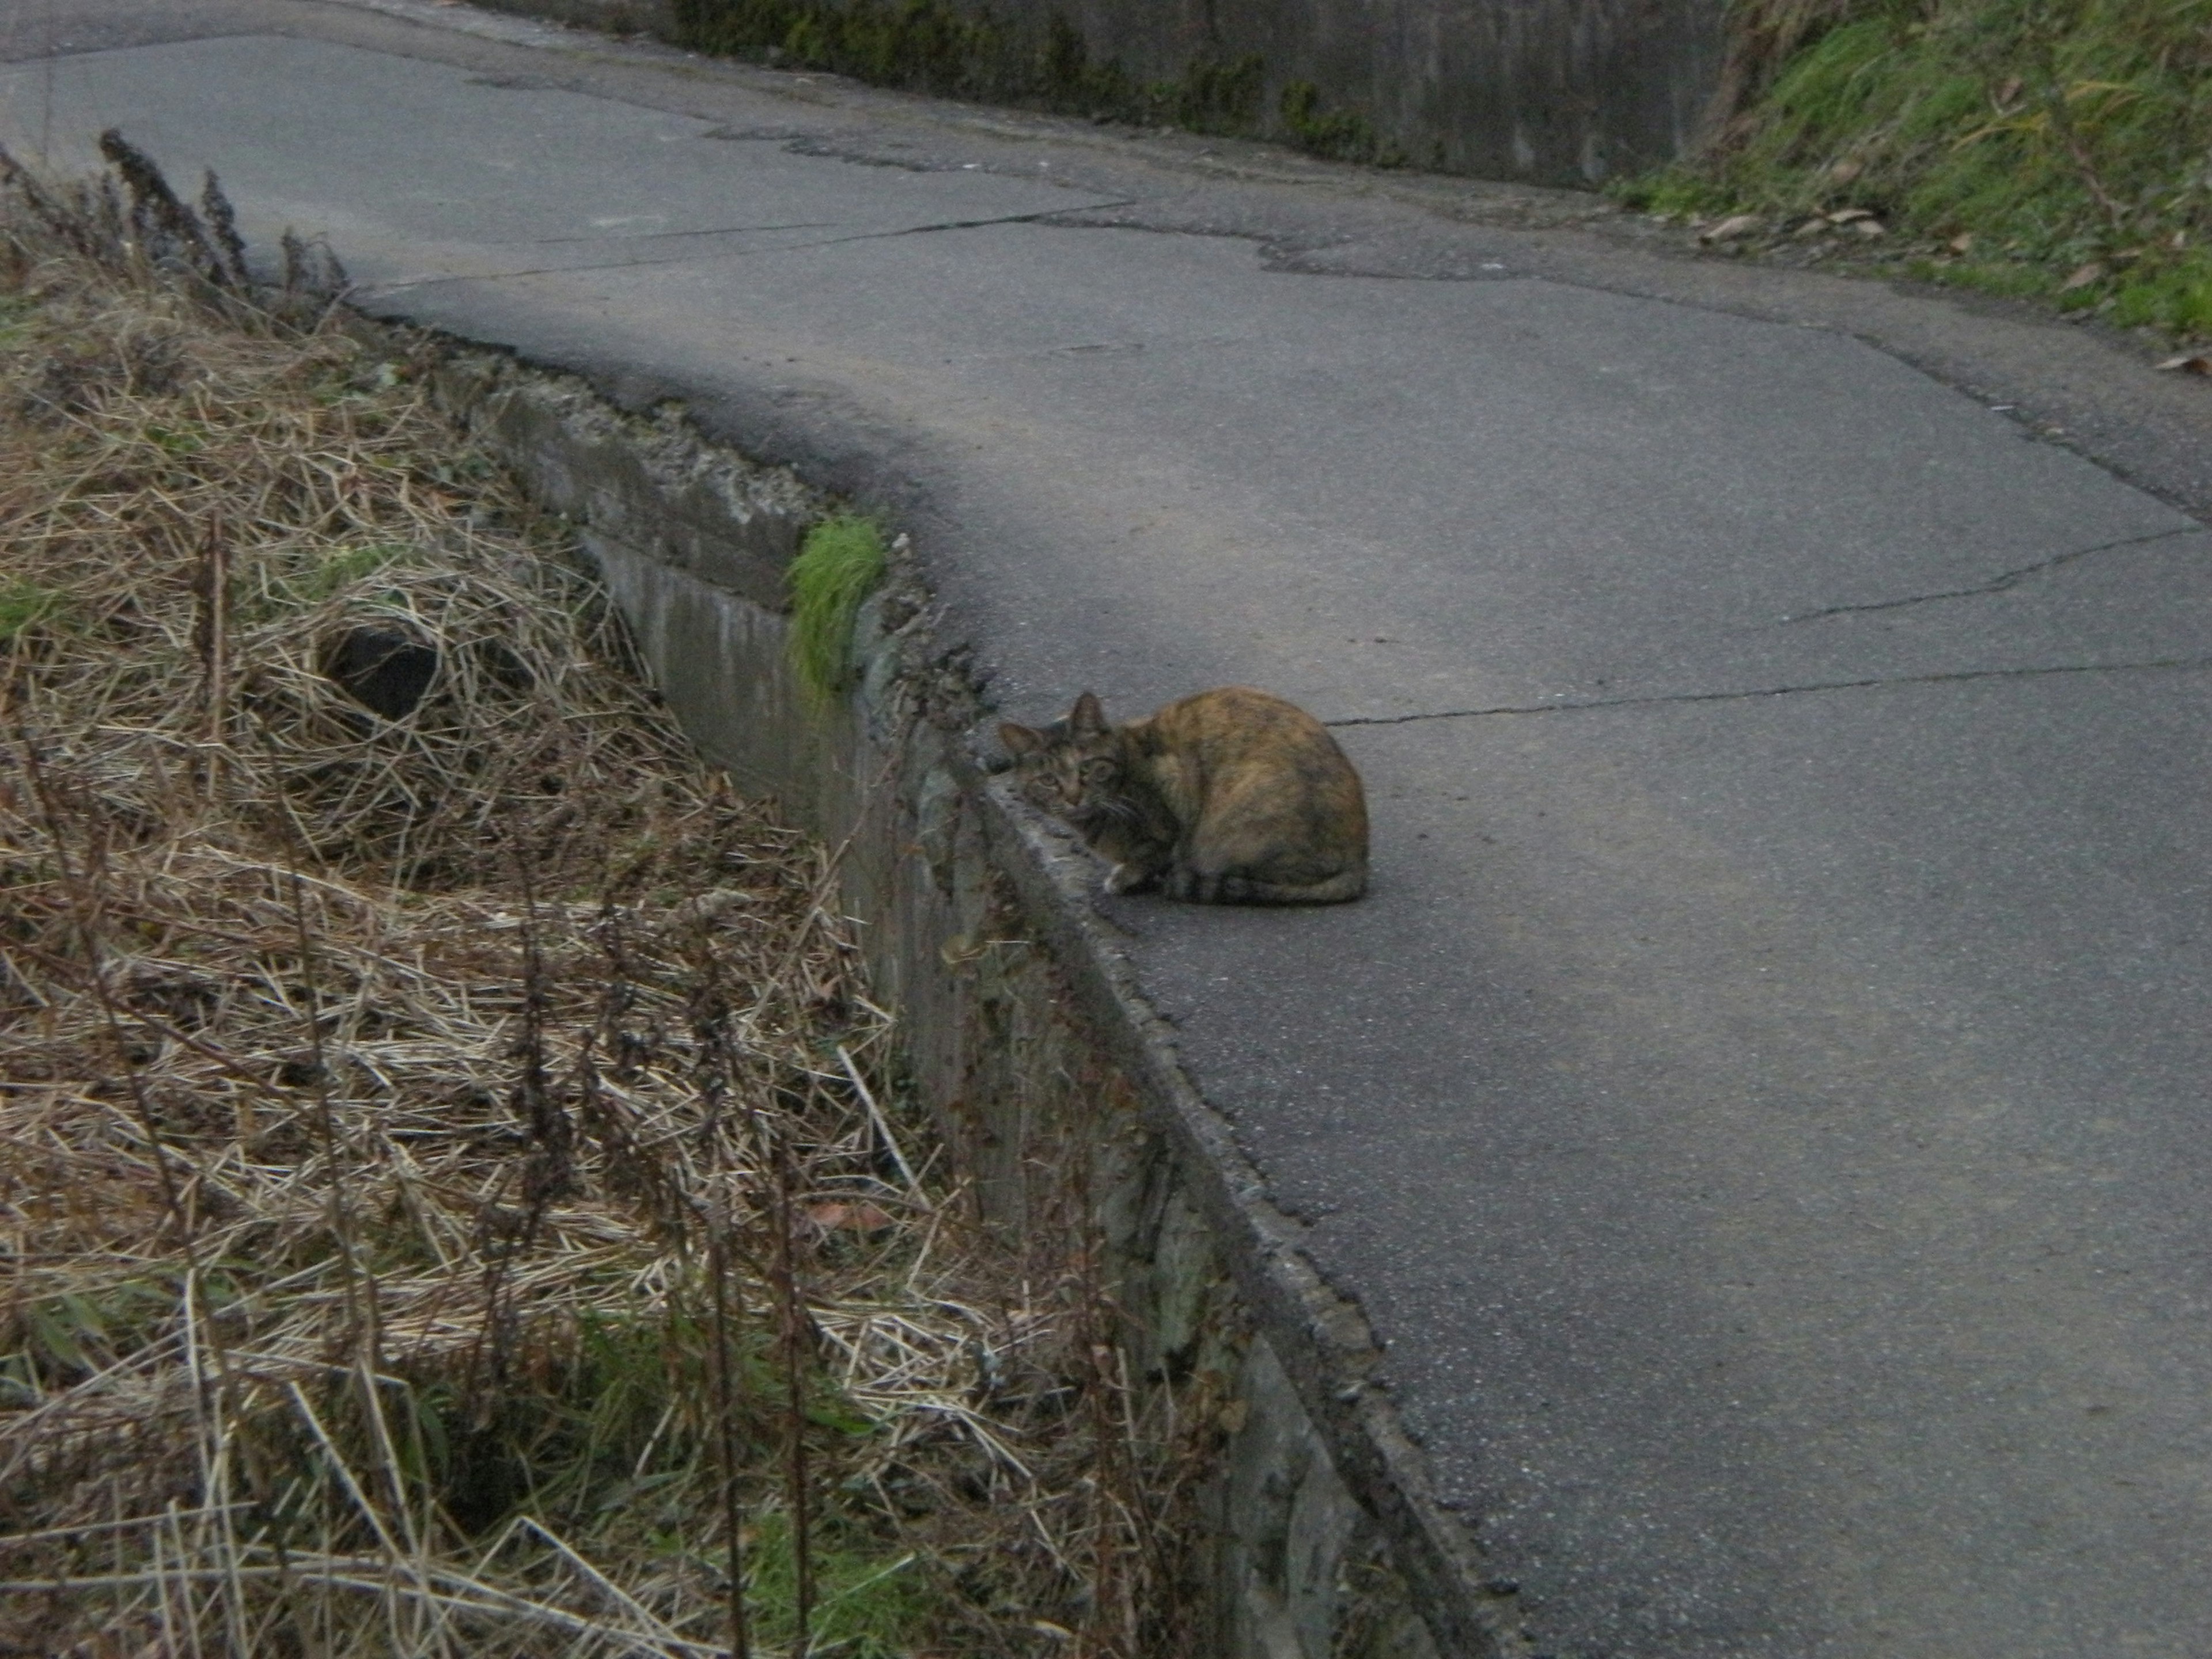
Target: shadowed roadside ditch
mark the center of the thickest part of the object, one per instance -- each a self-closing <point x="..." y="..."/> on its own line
<point x="1265" y="1502"/>
<point x="1018" y="1024"/>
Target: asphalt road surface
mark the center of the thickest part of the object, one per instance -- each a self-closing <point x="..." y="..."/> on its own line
<point x="1763" y="1102"/>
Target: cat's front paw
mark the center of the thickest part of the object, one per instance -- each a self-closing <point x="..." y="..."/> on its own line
<point x="1128" y="879"/>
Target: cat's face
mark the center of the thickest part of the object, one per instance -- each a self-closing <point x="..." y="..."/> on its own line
<point x="1072" y="768"/>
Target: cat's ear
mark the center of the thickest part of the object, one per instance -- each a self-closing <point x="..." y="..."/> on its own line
<point x="1087" y="718"/>
<point x="1020" y="739"/>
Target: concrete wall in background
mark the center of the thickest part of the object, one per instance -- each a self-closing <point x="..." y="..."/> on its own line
<point x="1553" y="92"/>
<point x="1568" y="91"/>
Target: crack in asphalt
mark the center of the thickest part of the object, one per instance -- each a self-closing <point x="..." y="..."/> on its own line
<point x="671" y="235"/>
<point x="2010" y="578"/>
<point x="1946" y="678"/>
<point x="1038" y="217"/>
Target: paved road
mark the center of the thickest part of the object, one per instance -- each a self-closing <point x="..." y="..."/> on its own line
<point x="1763" y="1102"/>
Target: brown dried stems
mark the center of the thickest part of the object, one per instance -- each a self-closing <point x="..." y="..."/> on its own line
<point x="447" y="1207"/>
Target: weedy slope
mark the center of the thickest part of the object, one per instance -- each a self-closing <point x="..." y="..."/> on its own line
<point x="455" y="1198"/>
<point x="2034" y="147"/>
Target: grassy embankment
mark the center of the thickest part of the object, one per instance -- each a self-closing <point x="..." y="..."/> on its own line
<point x="2059" y="149"/>
<point x="456" y="1194"/>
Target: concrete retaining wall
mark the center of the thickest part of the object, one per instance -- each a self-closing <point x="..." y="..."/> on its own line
<point x="1561" y="92"/>
<point x="1553" y="92"/>
<point x="1054" y="1084"/>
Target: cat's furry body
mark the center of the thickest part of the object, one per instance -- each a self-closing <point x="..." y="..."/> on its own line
<point x="1229" y="797"/>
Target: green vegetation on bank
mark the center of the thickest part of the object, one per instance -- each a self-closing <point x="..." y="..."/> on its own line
<point x="2059" y="148"/>
<point x="952" y="51"/>
<point x="22" y="602"/>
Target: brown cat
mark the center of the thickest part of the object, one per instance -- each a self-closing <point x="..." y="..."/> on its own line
<point x="1231" y="797"/>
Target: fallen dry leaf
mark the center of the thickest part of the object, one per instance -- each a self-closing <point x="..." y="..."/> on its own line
<point x="1728" y="230"/>
<point x="1850" y="215"/>
<point x="1963" y="243"/>
<point x="2190" y="362"/>
<point x="961" y="949"/>
<point x="702" y="909"/>
<point x="1870" y="227"/>
<point x="1844" y="171"/>
<point x="2082" y="278"/>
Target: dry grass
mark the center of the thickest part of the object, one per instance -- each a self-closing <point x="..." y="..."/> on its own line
<point x="451" y="1189"/>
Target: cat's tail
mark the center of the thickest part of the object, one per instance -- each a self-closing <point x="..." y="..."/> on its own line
<point x="1339" y="888"/>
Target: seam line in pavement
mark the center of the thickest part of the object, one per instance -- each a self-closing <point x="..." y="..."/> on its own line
<point x="671" y="235"/>
<point x="1563" y="707"/>
<point x="734" y="253"/>
<point x="2010" y="578"/>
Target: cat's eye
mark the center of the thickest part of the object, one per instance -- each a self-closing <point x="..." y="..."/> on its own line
<point x="1099" y="771"/>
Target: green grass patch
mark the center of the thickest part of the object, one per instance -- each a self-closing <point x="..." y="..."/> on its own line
<point x="868" y="1603"/>
<point x="1342" y="135"/>
<point x="350" y="565"/>
<point x="74" y="1335"/>
<point x="1677" y="190"/>
<point x="23" y="603"/>
<point x="179" y="441"/>
<point x="2176" y="297"/>
<point x="840" y="565"/>
<point x="301" y="578"/>
<point x="16" y="313"/>
<point x="2074" y="136"/>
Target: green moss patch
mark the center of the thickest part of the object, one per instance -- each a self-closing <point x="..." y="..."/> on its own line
<point x="840" y="565"/>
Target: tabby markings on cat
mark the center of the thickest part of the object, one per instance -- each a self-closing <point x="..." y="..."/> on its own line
<point x="1229" y="797"/>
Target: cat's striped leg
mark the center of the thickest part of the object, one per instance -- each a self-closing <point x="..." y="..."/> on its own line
<point x="1196" y="886"/>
